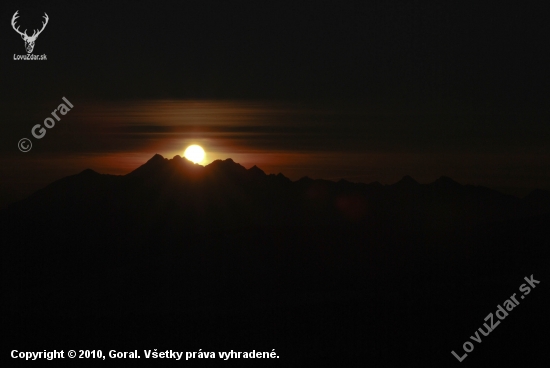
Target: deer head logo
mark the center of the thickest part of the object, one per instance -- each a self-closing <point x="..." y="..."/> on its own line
<point x="29" y="40"/>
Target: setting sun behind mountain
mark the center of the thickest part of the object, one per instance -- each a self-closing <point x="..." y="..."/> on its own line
<point x="194" y="153"/>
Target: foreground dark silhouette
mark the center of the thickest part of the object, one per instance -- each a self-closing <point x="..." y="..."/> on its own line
<point x="184" y="257"/>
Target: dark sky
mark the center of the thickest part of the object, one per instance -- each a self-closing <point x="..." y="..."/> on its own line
<point x="385" y="51"/>
<point x="367" y="90"/>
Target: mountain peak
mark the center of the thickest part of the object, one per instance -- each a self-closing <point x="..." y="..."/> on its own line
<point x="256" y="171"/>
<point x="280" y="177"/>
<point x="227" y="168"/>
<point x="155" y="158"/>
<point x="406" y="181"/>
<point x="227" y="163"/>
<point x="89" y="172"/>
<point x="445" y="181"/>
<point x="155" y="163"/>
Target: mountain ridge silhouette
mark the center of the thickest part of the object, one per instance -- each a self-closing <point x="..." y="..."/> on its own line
<point x="229" y="253"/>
<point x="230" y="179"/>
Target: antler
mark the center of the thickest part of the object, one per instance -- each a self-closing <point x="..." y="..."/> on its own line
<point x="34" y="35"/>
<point x="15" y="16"/>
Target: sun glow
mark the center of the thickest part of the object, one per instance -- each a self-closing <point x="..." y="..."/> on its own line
<point x="194" y="154"/>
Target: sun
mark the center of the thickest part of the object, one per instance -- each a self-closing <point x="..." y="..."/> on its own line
<point x="194" y="153"/>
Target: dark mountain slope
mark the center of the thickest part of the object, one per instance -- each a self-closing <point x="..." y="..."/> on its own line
<point x="180" y="256"/>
